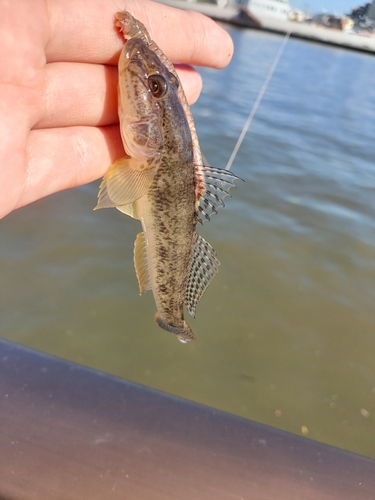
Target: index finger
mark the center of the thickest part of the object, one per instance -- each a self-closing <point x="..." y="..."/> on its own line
<point x="84" y="30"/>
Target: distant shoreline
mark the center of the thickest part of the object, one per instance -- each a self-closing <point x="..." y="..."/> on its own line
<point x="242" y="17"/>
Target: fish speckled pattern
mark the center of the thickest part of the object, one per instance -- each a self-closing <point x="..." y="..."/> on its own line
<point x="163" y="181"/>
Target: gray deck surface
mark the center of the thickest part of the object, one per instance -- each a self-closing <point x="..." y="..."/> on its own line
<point x="67" y="432"/>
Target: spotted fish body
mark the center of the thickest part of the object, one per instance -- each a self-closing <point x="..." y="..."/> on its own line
<point x="160" y="183"/>
<point x="164" y="248"/>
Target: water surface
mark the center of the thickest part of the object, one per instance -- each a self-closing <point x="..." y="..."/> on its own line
<point x="286" y="331"/>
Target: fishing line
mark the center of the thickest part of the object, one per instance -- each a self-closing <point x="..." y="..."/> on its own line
<point x="257" y="102"/>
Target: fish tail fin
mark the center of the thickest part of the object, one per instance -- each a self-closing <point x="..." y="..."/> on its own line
<point x="184" y="333"/>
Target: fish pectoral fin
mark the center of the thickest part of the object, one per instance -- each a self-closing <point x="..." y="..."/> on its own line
<point x="140" y="264"/>
<point x="125" y="181"/>
<point x="129" y="209"/>
<point x="203" y="267"/>
<point x="218" y="183"/>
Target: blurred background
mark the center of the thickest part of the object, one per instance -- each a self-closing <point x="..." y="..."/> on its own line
<point x="286" y="331"/>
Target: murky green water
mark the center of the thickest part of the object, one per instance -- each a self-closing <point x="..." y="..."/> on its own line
<point x="286" y="332"/>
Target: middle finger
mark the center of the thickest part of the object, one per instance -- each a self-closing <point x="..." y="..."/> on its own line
<point x="86" y="94"/>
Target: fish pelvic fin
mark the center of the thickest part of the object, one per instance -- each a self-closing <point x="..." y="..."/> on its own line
<point x="204" y="265"/>
<point x="140" y="264"/>
<point x="218" y="182"/>
<point x="130" y="209"/>
<point x="126" y="181"/>
<point x="184" y="333"/>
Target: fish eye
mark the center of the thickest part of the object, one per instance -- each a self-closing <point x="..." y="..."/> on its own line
<point x="158" y="86"/>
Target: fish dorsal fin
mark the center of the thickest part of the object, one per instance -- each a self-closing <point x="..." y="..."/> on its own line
<point x="129" y="209"/>
<point x="140" y="264"/>
<point x="218" y="182"/>
<point x="125" y="181"/>
<point x="204" y="266"/>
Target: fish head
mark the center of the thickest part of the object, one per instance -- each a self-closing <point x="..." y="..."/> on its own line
<point x="144" y="83"/>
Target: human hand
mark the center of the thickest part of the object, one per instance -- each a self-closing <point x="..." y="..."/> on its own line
<point x="58" y="86"/>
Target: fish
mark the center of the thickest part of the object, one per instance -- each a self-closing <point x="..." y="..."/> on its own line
<point x="162" y="181"/>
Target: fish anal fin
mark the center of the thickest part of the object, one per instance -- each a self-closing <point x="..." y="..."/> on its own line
<point x="218" y="183"/>
<point x="204" y="266"/>
<point x="140" y="263"/>
<point x="125" y="181"/>
<point x="129" y="209"/>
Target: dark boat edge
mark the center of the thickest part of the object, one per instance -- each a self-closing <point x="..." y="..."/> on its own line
<point x="70" y="432"/>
